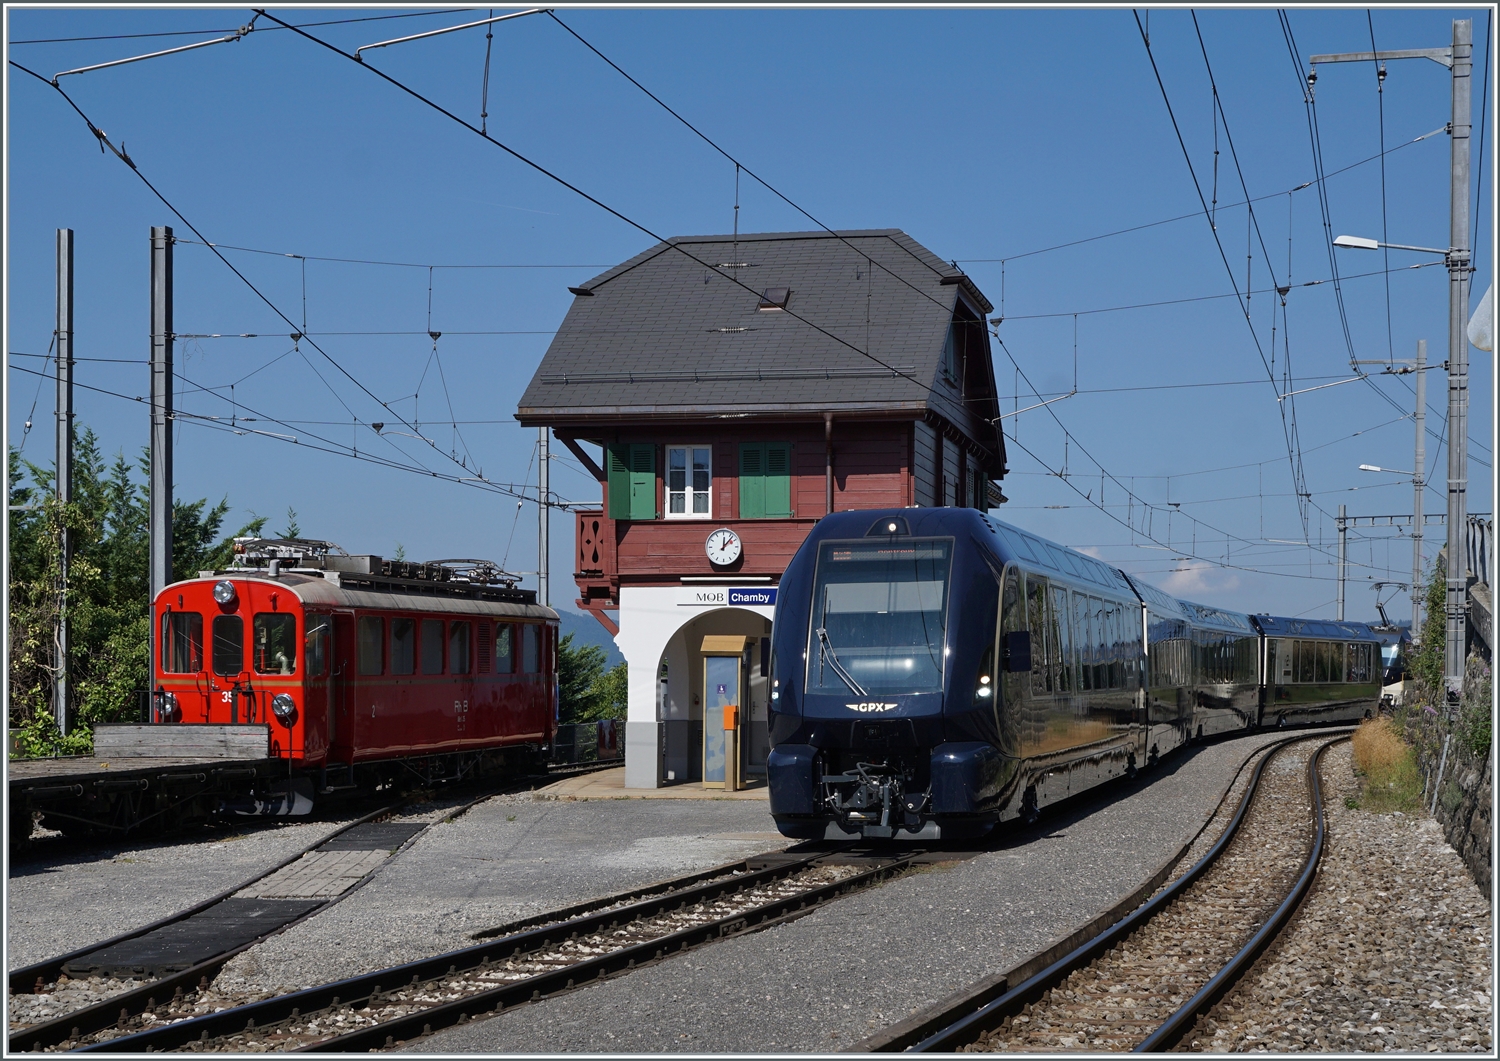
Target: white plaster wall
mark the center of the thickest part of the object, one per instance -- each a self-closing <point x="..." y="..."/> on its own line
<point x="649" y="618"/>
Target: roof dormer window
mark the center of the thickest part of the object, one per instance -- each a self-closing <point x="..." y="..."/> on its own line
<point x="775" y="298"/>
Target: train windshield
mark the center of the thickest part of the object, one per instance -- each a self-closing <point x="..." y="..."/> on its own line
<point x="879" y="617"/>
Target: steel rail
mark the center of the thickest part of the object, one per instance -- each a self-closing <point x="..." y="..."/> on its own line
<point x="23" y="980"/>
<point x="534" y="988"/>
<point x="1185" y="1019"/>
<point x="368" y="985"/>
<point x="118" y="1008"/>
<point x="966" y="1028"/>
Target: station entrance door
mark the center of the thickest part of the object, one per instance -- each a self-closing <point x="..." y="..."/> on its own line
<point x="724" y="687"/>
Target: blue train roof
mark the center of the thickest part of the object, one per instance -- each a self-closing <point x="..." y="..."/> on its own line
<point x="1203" y="615"/>
<point x="1163" y="604"/>
<point x="1279" y="626"/>
<point x="1050" y="558"/>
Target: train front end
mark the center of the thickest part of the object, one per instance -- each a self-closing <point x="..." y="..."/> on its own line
<point x="884" y="720"/>
<point x="240" y="651"/>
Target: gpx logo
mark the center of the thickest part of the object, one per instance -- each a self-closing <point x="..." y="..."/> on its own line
<point x="867" y="707"/>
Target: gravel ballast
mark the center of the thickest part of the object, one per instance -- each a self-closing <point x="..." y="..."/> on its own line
<point x="828" y="980"/>
<point x="1391" y="951"/>
<point x="507" y="858"/>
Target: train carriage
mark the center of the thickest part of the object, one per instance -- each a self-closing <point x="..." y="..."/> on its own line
<point x="354" y="666"/>
<point x="1318" y="671"/>
<point x="936" y="671"/>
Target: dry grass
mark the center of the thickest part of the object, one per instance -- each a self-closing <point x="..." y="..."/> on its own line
<point x="1387" y="768"/>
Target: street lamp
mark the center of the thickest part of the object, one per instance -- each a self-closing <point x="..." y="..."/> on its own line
<point x="1388" y="471"/>
<point x="1360" y="243"/>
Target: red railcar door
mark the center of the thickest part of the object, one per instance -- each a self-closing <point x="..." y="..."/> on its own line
<point x="342" y="675"/>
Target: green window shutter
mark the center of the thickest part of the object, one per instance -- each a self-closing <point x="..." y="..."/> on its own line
<point x="642" y="480"/>
<point x="617" y="467"/>
<point x="752" y="480"/>
<point x="778" y="489"/>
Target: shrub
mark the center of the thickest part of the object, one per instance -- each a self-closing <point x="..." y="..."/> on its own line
<point x="1387" y="767"/>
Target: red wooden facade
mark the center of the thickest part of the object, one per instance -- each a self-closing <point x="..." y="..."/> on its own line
<point x="867" y="464"/>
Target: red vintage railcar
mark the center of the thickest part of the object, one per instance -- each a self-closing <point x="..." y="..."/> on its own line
<point x="361" y="667"/>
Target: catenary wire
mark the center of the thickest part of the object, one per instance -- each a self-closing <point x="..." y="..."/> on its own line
<point x="104" y="140"/>
<point x="1298" y="481"/>
<point x="198" y="32"/>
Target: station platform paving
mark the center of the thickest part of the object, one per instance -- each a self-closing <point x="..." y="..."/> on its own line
<point x="610" y="784"/>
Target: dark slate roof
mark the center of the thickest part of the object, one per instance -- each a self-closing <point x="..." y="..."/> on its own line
<point x="667" y="334"/>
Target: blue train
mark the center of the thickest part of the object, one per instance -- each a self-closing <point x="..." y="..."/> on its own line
<point x="935" y="671"/>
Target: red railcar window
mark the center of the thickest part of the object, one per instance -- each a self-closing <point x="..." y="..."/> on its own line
<point x="505" y="649"/>
<point x="371" y="644"/>
<point x="432" y="646"/>
<point x="403" y="646"/>
<point x="531" y="648"/>
<point x="316" y="651"/>
<point x="182" y="642"/>
<point x="229" y="644"/>
<point x="458" y="648"/>
<point x="483" y="630"/>
<point x="275" y="643"/>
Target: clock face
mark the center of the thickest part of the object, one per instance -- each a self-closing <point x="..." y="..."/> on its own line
<point x="723" y="547"/>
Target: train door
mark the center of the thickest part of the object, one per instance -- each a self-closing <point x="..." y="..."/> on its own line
<point x="316" y="686"/>
<point x="341" y="670"/>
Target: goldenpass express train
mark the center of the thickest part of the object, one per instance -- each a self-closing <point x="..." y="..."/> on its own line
<point x="936" y="671"/>
<point x="364" y="670"/>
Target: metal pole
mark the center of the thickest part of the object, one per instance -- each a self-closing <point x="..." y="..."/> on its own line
<point x="828" y="462"/>
<point x="1419" y="487"/>
<point x="64" y="462"/>
<point x="1343" y="566"/>
<point x="543" y="511"/>
<point x="1458" y="356"/>
<point x="160" y="515"/>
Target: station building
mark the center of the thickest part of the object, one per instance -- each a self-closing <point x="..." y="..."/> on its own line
<point x="834" y="371"/>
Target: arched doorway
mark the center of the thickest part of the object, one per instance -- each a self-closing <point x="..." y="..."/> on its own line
<point x="680" y="694"/>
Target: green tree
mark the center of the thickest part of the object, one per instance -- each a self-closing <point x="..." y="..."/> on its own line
<point x="1431" y="646"/>
<point x="587" y="690"/>
<point x="108" y="599"/>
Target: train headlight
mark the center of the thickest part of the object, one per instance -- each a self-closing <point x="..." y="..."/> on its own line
<point x="224" y="591"/>
<point x="285" y="709"/>
<point x="985" y="689"/>
<point x="167" y="708"/>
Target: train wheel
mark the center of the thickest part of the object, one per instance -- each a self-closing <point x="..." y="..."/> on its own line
<point x="1030" y="812"/>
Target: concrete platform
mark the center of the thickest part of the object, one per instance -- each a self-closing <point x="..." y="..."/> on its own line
<point x="610" y="784"/>
<point x="825" y="982"/>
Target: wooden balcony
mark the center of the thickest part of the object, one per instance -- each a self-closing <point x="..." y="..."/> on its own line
<point x="597" y="565"/>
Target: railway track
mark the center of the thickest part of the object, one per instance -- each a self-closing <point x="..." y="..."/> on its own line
<point x="104" y="991"/>
<point x="1142" y="984"/>
<point x="519" y="963"/>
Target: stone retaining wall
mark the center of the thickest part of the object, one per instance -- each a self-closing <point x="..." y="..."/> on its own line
<point x="1465" y="802"/>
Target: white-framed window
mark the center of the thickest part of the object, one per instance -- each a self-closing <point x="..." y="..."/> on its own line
<point x="689" y="480"/>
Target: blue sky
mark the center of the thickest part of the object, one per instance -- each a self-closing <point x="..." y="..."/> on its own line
<point x="988" y="135"/>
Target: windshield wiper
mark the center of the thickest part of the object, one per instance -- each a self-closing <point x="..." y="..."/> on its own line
<point x="838" y="668"/>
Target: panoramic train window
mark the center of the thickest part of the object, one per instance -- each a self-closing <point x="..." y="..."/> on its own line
<point x="1084" y="642"/>
<point x="182" y="642"/>
<point x="432" y="646"/>
<point x="1358" y="666"/>
<point x="879" y="617"/>
<point x="229" y="644"/>
<point x="531" y="648"/>
<point x="505" y="653"/>
<point x="1041" y="648"/>
<point x="403" y="646"/>
<point x="1060" y="641"/>
<point x="371" y="644"/>
<point x="316" y="653"/>
<point x="458" y="648"/>
<point x="275" y="643"/>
